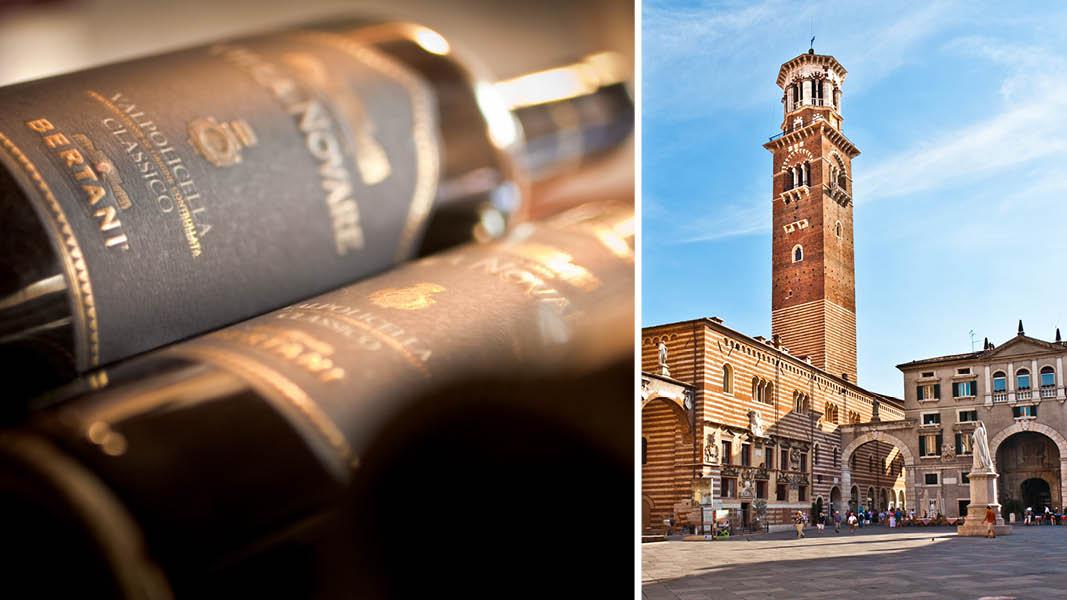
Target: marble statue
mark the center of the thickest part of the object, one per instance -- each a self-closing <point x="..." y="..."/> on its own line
<point x="755" y="423"/>
<point x="982" y="461"/>
<point x="663" y="359"/>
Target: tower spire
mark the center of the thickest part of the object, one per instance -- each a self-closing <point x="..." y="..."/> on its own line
<point x="1021" y="332"/>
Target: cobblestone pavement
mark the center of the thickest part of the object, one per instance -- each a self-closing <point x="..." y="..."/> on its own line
<point x="872" y="563"/>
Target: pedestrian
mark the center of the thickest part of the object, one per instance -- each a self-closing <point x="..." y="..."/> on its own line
<point x="852" y="522"/>
<point x="990" y="522"/>
<point x="798" y="520"/>
<point x="1028" y="516"/>
<point x="837" y="521"/>
<point x="892" y="520"/>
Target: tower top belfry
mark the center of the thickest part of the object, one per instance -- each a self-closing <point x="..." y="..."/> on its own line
<point x="813" y="301"/>
<point x="812" y="83"/>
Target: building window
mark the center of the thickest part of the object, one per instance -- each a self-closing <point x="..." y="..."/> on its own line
<point x="963" y="443"/>
<point x="761" y="489"/>
<point x="784" y="462"/>
<point x="926" y="374"/>
<point x="837" y="229"/>
<point x="1023" y="412"/>
<point x="780" y="493"/>
<point x="727" y="453"/>
<point x="964" y="389"/>
<point x="1022" y="379"/>
<point x="931" y="418"/>
<point x="1000" y="382"/>
<point x="644" y="450"/>
<point x="729" y="487"/>
<point x="804" y="462"/>
<point x="930" y="444"/>
<point x="930" y="478"/>
<point x="727" y="379"/>
<point x="802" y="493"/>
<point x="1048" y="377"/>
<point x="768" y="457"/>
<point x="746" y="455"/>
<point x="798" y="253"/>
<point x="965" y="476"/>
<point x="929" y="391"/>
<point x="968" y="416"/>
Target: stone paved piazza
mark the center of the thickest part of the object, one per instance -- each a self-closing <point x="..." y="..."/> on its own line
<point x="872" y="563"/>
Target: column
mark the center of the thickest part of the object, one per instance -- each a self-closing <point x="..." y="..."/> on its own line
<point x="827" y="93"/>
<point x="1059" y="379"/>
<point x="846" y="490"/>
<point x="1011" y="383"/>
<point x="806" y="92"/>
<point x="1035" y="381"/>
<point x="789" y="99"/>
<point x="1063" y="480"/>
<point x="988" y="388"/>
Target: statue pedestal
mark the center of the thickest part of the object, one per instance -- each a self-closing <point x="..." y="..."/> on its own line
<point x="983" y="496"/>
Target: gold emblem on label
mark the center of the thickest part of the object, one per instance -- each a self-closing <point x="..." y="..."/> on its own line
<point x="221" y="143"/>
<point x="416" y="297"/>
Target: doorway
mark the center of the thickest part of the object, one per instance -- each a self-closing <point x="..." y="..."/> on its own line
<point x="1036" y="494"/>
<point x="745" y="510"/>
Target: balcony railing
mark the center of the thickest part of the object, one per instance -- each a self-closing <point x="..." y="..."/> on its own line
<point x="1048" y="392"/>
<point x="999" y="397"/>
<point x="1024" y="394"/>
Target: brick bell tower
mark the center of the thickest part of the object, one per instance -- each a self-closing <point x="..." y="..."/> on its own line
<point x="813" y="304"/>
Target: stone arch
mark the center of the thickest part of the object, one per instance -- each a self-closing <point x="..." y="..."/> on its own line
<point x="677" y="409"/>
<point x="878" y="436"/>
<point x="1020" y="426"/>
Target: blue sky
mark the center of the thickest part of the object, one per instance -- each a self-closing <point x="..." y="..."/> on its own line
<point x="960" y="110"/>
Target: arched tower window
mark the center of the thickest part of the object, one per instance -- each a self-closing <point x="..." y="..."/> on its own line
<point x="1000" y="382"/>
<point x="1022" y="379"/>
<point x="644" y="450"/>
<point x="798" y="253"/>
<point x="727" y="379"/>
<point x="837" y="229"/>
<point x="1048" y="377"/>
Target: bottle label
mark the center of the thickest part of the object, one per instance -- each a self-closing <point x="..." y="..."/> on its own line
<point x="191" y="190"/>
<point x="342" y="364"/>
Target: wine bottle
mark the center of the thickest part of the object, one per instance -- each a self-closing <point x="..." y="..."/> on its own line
<point x="148" y="201"/>
<point x="226" y="462"/>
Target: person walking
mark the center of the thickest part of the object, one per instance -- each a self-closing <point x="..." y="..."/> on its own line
<point x="852" y="522"/>
<point x="820" y="522"/>
<point x="990" y="522"/>
<point x="798" y="520"/>
<point x="1028" y="515"/>
<point x="837" y="521"/>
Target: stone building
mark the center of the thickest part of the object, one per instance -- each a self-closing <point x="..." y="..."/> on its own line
<point x="1017" y="390"/>
<point x="755" y="425"/>
<point x="734" y="420"/>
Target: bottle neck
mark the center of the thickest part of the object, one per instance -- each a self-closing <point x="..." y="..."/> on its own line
<point x="569" y="114"/>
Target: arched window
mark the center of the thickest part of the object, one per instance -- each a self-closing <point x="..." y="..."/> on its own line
<point x="727" y="379"/>
<point x="837" y="229"/>
<point x="1022" y="379"/>
<point x="757" y="389"/>
<point x="644" y="450"/>
<point x="1000" y="382"/>
<point x="768" y="394"/>
<point x="1048" y="377"/>
<point x="798" y="253"/>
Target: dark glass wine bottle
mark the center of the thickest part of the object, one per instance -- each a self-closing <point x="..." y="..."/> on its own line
<point x="485" y="391"/>
<point x="148" y="201"/>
